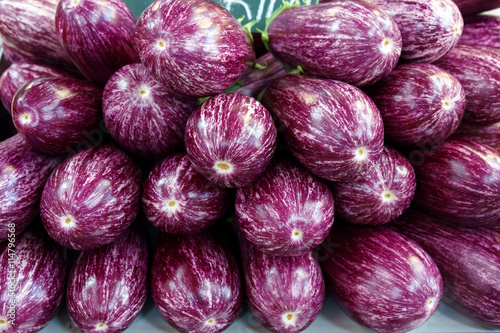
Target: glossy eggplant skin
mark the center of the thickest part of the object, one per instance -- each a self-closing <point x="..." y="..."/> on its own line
<point x="107" y="286"/>
<point x="469" y="7"/>
<point x="195" y="283"/>
<point x="469" y="261"/>
<point x="12" y="56"/>
<point x="485" y="135"/>
<point x="481" y="30"/>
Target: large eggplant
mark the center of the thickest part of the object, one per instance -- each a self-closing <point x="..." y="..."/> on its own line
<point x="469" y="261"/>
<point x="481" y="30"/>
<point x="331" y="127"/>
<point x="486" y="135"/>
<point x="380" y="278"/>
<point x="468" y="7"/>
<point x="12" y="56"/>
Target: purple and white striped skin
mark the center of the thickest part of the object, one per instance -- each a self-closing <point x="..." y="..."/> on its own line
<point x="380" y="278"/>
<point x="469" y="261"/>
<point x="380" y="196"/>
<point x="179" y="200"/>
<point x="142" y="116"/>
<point x="107" y="287"/>
<point x="331" y="127"/>
<point x="12" y="56"/>
<point x="481" y="30"/>
<point x="230" y="139"/>
<point x="459" y="181"/>
<point x="91" y="198"/>
<point x="485" y="135"/>
<point x="97" y="35"/>
<point x="195" y="283"/>
<point x="353" y="41"/>
<point x="419" y="103"/>
<point x="287" y="211"/>
<point x="478" y="70"/>
<point x="469" y="7"/>
<point x="23" y="173"/>
<point x="40" y="273"/>
<point x="56" y="114"/>
<point x="194" y="47"/>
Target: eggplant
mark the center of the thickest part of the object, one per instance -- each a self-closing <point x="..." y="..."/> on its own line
<point x="419" y="103"/>
<point x="469" y="261"/>
<point x="469" y="7"/>
<point x="97" y="35"/>
<point x="230" y="139"/>
<point x="287" y="211"/>
<point x="12" y="56"/>
<point x="107" y="286"/>
<point x="91" y="198"/>
<point x="179" y="200"/>
<point x="23" y="174"/>
<point x="194" y="47"/>
<point x="331" y="127"/>
<point x="143" y="116"/>
<point x="481" y="30"/>
<point x="195" y="283"/>
<point x="380" y="278"/>
<point x="485" y="135"/>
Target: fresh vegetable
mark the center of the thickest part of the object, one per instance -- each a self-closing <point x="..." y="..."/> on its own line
<point x="481" y="30"/>
<point x="468" y="7"/>
<point x="13" y="56"/>
<point x="486" y="135"/>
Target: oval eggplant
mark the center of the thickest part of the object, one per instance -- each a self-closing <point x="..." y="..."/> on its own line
<point x="287" y="211"/>
<point x="142" y="116"/>
<point x="107" y="287"/>
<point x="23" y="173"/>
<point x="56" y="114"/>
<point x="97" y="35"/>
<point x="194" y="47"/>
<point x="12" y="56"/>
<point x="469" y="261"/>
<point x="381" y="279"/>
<point x="331" y="127"/>
<point x="230" y="139"/>
<point x="195" y="283"/>
<point x="178" y="200"/>
<point x="419" y="103"/>
<point x="382" y="195"/>
<point x="357" y="42"/>
<point x="469" y="7"/>
<point x="91" y="198"/>
<point x="485" y="135"/>
<point x="39" y="269"/>
<point x="481" y="30"/>
<point x="478" y="69"/>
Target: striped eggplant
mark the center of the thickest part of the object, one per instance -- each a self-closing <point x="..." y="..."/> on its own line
<point x="37" y="266"/>
<point x="419" y="103"/>
<point x="91" y="198"/>
<point x="97" y="35"/>
<point x="179" y="200"/>
<point x="193" y="47"/>
<point x="331" y="127"/>
<point x="23" y="173"/>
<point x="380" y="196"/>
<point x="469" y="7"/>
<point x="13" y="56"/>
<point x="287" y="211"/>
<point x="142" y="116"/>
<point x="486" y="135"/>
<point x="481" y="30"/>
<point x="348" y="40"/>
<point x="380" y="278"/>
<point x="230" y="139"/>
<point x="469" y="261"/>
<point x="57" y="114"/>
<point x="195" y="283"/>
<point x="107" y="286"/>
<point x="459" y="181"/>
<point x="477" y="68"/>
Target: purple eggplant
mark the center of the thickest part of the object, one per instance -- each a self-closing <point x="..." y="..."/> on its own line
<point x="142" y="116"/>
<point x="287" y="211"/>
<point x="12" y="56"/>
<point x="419" y="103"/>
<point x="485" y="135"/>
<point x="331" y="127"/>
<point x="285" y="294"/>
<point x="380" y="196"/>
<point x="459" y="181"/>
<point x="380" y="278"/>
<point x="230" y="139"/>
<point x="469" y="7"/>
<point x="56" y="114"/>
<point x="23" y="173"/>
<point x="481" y="30"/>
<point x="107" y="287"/>
<point x="478" y="70"/>
<point x="194" y="47"/>
<point x="348" y="40"/>
<point x="37" y="267"/>
<point x="469" y="261"/>
<point x="178" y="200"/>
<point x="195" y="283"/>
<point x="91" y="198"/>
<point x="97" y="35"/>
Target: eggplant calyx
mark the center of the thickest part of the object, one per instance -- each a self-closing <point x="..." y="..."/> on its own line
<point x="285" y="6"/>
